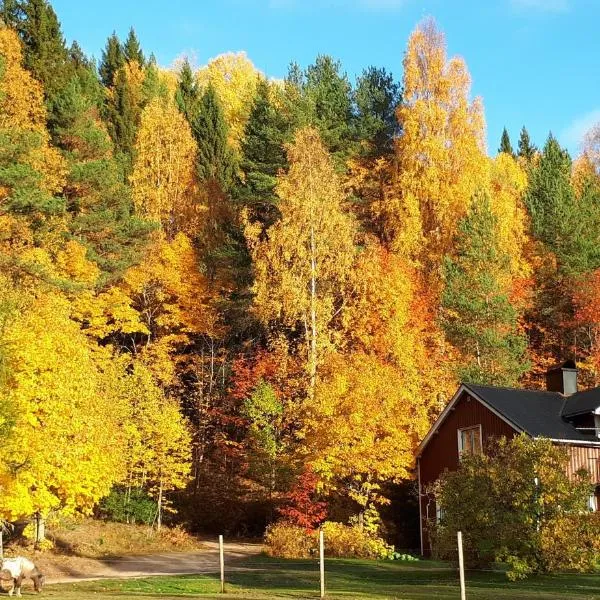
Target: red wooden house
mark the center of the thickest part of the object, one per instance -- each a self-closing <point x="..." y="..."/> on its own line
<point x="478" y="413"/>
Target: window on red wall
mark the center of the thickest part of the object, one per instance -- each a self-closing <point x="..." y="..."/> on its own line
<point x="469" y="440"/>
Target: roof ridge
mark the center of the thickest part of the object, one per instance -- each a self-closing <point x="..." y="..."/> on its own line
<point x="514" y="389"/>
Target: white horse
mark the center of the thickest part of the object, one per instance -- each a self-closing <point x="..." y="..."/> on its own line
<point x="17" y="569"/>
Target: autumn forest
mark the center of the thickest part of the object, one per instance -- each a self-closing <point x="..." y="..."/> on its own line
<point x="247" y="299"/>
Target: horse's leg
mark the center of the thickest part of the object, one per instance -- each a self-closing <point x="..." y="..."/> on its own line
<point x="18" y="582"/>
<point x="12" y="588"/>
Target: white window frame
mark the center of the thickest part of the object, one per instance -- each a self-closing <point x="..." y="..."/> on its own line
<point x="439" y="512"/>
<point x="460" y="438"/>
<point x="597" y="422"/>
<point x="592" y="503"/>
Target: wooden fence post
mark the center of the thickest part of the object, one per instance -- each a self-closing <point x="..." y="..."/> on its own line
<point x="461" y="567"/>
<point x="222" y="563"/>
<point x="322" y="562"/>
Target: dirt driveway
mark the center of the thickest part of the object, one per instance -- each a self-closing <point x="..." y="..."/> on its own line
<point x="68" y="569"/>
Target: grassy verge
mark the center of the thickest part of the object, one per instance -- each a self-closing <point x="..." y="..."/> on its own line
<point x="261" y="579"/>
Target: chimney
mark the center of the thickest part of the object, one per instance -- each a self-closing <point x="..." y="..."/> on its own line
<point x="562" y="378"/>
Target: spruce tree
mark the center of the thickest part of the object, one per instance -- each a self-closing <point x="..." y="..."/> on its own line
<point x="526" y="149"/>
<point x="505" y="145"/>
<point x="376" y="97"/>
<point x="132" y="49"/>
<point x="187" y="94"/>
<point x="43" y="43"/>
<point x="477" y="315"/>
<point x="216" y="160"/>
<point x="45" y="53"/>
<point x="263" y="154"/>
<point x="328" y="93"/>
<point x="152" y="85"/>
<point x="112" y="60"/>
<point x="567" y="225"/>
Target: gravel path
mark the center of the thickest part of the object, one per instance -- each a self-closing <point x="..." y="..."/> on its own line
<point x="75" y="569"/>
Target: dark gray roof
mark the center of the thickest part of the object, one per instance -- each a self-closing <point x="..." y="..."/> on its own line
<point x="535" y="412"/>
<point x="582" y="402"/>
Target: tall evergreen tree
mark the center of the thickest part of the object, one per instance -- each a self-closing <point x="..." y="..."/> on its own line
<point x="376" y="97"/>
<point x="132" y="49"/>
<point x="112" y="60"/>
<point x="216" y="160"/>
<point x="505" y="145"/>
<point x="526" y="149"/>
<point x="567" y="225"/>
<point x="263" y="154"/>
<point x="124" y="113"/>
<point x="328" y="93"/>
<point x="477" y="315"/>
<point x="45" y="53"/>
<point x="187" y="94"/>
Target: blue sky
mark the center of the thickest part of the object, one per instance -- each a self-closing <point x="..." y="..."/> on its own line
<point x="534" y="62"/>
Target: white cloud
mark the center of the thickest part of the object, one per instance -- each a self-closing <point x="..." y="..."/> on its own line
<point x="573" y="135"/>
<point x="542" y="5"/>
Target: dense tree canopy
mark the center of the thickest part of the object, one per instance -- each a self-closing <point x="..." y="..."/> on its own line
<point x="264" y="291"/>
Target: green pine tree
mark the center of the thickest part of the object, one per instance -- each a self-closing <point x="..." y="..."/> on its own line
<point x="112" y="60"/>
<point x="526" y="149"/>
<point x="187" y="94"/>
<point x="328" y="94"/>
<point x="376" y="97"/>
<point x="132" y="49"/>
<point x="477" y="315"/>
<point x="98" y="201"/>
<point x="152" y="85"/>
<point x="216" y="160"/>
<point x="567" y="225"/>
<point x="263" y="154"/>
<point x="45" y="52"/>
<point x="505" y="145"/>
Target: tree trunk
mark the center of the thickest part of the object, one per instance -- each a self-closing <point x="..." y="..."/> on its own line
<point x="40" y="528"/>
<point x="313" y="313"/>
<point x="159" y="510"/>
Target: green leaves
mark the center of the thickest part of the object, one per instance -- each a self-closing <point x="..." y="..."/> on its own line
<point x="477" y="315"/>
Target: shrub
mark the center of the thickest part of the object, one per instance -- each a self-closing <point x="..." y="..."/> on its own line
<point x="285" y="540"/>
<point x="352" y="541"/>
<point x="516" y="504"/>
<point x="133" y="506"/>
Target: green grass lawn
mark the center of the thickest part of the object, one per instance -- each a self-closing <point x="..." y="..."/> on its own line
<point x="276" y="579"/>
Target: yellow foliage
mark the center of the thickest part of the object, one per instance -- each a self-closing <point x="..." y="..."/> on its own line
<point x="440" y="154"/>
<point x="365" y="422"/>
<point x="22" y="109"/>
<point x="302" y="262"/>
<point x="22" y="97"/>
<point x="71" y="263"/>
<point x="508" y="182"/>
<point x="65" y="450"/>
<point x="164" y="178"/>
<point x="158" y="452"/>
<point x="234" y="79"/>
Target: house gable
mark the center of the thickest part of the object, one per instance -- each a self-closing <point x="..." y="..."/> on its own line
<point x="439" y="449"/>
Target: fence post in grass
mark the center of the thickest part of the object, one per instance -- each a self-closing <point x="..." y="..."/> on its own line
<point x="222" y="563"/>
<point x="322" y="562"/>
<point x="461" y="567"/>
